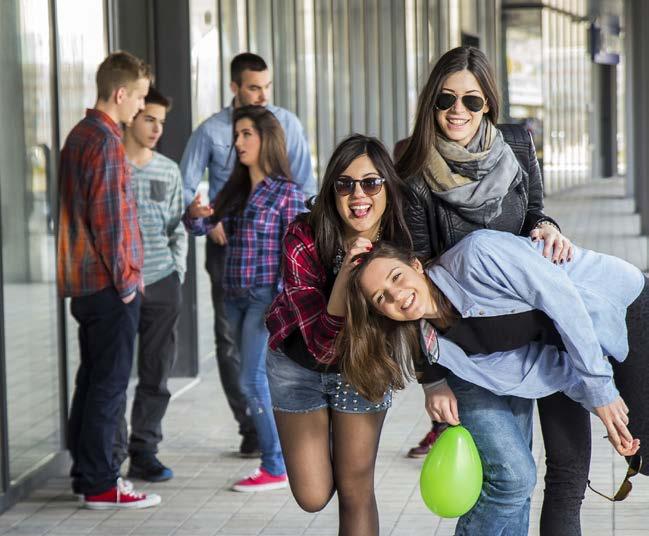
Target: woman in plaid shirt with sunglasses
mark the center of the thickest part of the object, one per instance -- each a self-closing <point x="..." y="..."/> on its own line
<point x="329" y="433"/>
<point x="251" y="214"/>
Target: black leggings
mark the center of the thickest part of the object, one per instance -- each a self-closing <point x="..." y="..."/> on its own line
<point x="566" y="429"/>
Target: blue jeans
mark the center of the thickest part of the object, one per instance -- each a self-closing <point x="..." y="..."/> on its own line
<point x="246" y="317"/>
<point x="501" y="427"/>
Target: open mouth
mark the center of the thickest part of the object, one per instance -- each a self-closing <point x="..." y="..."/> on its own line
<point x="408" y="303"/>
<point x="457" y="122"/>
<point x="360" y="211"/>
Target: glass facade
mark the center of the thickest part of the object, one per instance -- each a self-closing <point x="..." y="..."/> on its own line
<point x="548" y="86"/>
<point x="40" y="100"/>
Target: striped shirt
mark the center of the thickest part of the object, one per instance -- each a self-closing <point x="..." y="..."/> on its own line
<point x="158" y="191"/>
<point x="99" y="241"/>
<point x="255" y="236"/>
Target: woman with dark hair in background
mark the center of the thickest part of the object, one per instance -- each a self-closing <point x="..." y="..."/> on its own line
<point x="252" y="213"/>
<point x="464" y="174"/>
<point x="329" y="432"/>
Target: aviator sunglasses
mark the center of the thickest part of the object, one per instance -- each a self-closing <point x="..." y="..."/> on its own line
<point x="473" y="103"/>
<point x="635" y="464"/>
<point x="345" y="186"/>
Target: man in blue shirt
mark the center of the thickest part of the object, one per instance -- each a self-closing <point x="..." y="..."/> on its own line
<point x="210" y="146"/>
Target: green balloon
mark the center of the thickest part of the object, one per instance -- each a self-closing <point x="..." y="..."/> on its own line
<point x="451" y="478"/>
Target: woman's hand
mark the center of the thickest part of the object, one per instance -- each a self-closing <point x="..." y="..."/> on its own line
<point x="196" y="209"/>
<point x="615" y="418"/>
<point x="441" y="404"/>
<point x="355" y="247"/>
<point x="218" y="235"/>
<point x="555" y="244"/>
<point x="336" y="304"/>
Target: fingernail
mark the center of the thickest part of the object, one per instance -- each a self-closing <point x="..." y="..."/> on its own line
<point x="369" y="248"/>
<point x="561" y="261"/>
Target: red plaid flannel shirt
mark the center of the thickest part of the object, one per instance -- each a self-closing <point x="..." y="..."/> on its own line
<point x="303" y="303"/>
<point x="99" y="242"/>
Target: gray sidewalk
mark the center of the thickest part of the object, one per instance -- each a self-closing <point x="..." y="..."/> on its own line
<point x="201" y="443"/>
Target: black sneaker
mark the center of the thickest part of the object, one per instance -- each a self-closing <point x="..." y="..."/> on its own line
<point x="145" y="466"/>
<point x="249" y="447"/>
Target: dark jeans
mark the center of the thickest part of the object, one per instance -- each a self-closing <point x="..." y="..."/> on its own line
<point x="157" y="346"/>
<point x="566" y="428"/>
<point x="566" y="436"/>
<point x="227" y="355"/>
<point x="107" y="329"/>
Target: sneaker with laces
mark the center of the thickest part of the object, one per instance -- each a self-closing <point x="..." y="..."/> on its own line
<point x="146" y="466"/>
<point x="121" y="497"/>
<point x="261" y="480"/>
<point x="424" y="445"/>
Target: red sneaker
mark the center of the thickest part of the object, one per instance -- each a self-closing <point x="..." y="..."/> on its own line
<point x="422" y="449"/>
<point x="261" y="480"/>
<point x="121" y="497"/>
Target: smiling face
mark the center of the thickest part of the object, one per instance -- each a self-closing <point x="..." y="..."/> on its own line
<point x="458" y="123"/>
<point x="396" y="289"/>
<point x="361" y="213"/>
<point x="247" y="142"/>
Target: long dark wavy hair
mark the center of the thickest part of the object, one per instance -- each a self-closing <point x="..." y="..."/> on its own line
<point x="327" y="225"/>
<point x="425" y="129"/>
<point x="273" y="160"/>
<point x="375" y="351"/>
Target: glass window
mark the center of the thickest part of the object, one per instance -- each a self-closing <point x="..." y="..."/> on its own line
<point x="357" y="64"/>
<point x="324" y="81"/>
<point x="283" y="60"/>
<point x="82" y="45"/>
<point x="306" y="76"/>
<point x="28" y="248"/>
<point x="341" y="70"/>
<point x="206" y="60"/>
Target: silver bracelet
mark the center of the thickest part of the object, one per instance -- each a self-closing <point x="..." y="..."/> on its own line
<point x="546" y="222"/>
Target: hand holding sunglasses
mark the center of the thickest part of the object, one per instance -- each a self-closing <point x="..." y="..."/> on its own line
<point x="473" y="103"/>
<point x="635" y="464"/>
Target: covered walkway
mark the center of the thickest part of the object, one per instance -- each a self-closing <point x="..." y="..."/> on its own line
<point x="201" y="444"/>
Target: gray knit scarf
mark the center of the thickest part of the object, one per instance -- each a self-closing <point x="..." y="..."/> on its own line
<point x="473" y="179"/>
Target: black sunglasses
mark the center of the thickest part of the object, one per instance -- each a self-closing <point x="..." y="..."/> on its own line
<point x="473" y="103"/>
<point x="635" y="464"/>
<point x="345" y="186"/>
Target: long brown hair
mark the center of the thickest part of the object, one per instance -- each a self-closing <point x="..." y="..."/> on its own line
<point x="324" y="219"/>
<point x="425" y="129"/>
<point x="377" y="352"/>
<point x="273" y="160"/>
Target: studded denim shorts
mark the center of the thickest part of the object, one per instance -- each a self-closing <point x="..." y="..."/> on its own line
<point x="295" y="389"/>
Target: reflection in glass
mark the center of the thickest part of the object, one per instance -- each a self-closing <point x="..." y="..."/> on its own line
<point x="82" y="47"/>
<point x="29" y="292"/>
<point x="205" y="54"/>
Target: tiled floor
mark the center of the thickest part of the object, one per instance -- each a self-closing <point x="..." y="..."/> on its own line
<point x="201" y="441"/>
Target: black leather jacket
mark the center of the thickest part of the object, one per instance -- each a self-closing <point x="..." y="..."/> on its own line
<point x="436" y="226"/>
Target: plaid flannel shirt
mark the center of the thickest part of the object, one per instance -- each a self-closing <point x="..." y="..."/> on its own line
<point x="99" y="242"/>
<point x="255" y="236"/>
<point x="303" y="302"/>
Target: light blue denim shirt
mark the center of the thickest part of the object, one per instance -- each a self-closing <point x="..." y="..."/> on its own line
<point x="491" y="273"/>
<point x="210" y="146"/>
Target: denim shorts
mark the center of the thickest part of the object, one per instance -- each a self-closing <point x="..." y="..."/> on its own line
<point x="295" y="389"/>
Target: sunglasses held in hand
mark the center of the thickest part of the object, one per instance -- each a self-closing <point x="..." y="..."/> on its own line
<point x="635" y="464"/>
